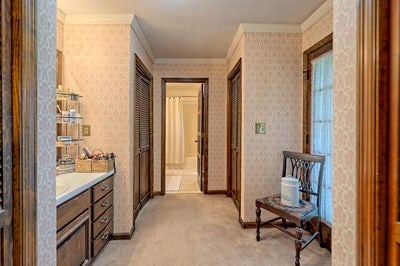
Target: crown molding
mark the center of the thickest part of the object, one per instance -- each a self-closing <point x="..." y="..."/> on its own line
<point x="289" y="28"/>
<point x="142" y="39"/>
<point x="190" y="61"/>
<point x="317" y="15"/>
<point x="60" y="16"/>
<point x="99" y="19"/>
<point x="249" y="27"/>
<point x="235" y="42"/>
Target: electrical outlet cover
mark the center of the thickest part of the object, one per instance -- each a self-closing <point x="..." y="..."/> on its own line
<point x="85" y="130"/>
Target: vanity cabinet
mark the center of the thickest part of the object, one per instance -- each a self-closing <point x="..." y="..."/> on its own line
<point x="102" y="214"/>
<point x="85" y="224"/>
<point x="73" y="231"/>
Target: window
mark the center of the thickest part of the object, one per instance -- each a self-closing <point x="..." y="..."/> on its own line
<point x="319" y="116"/>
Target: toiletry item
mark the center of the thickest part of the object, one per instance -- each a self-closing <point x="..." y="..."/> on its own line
<point x="72" y="115"/>
<point x="65" y="116"/>
<point x="87" y="152"/>
<point x="290" y="191"/>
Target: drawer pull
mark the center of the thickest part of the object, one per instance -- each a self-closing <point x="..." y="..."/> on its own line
<point x="105" y="187"/>
<point x="104" y="220"/>
<point x="105" y="203"/>
<point x="105" y="236"/>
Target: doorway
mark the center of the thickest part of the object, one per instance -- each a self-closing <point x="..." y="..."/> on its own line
<point x="184" y="140"/>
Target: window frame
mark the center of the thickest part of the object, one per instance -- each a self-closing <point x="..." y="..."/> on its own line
<point x="320" y="48"/>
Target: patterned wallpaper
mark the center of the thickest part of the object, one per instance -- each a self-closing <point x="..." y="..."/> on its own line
<point x="46" y="183"/>
<point x="318" y="31"/>
<point x="271" y="94"/>
<point x="344" y="135"/>
<point x="217" y="117"/>
<point x="97" y="65"/>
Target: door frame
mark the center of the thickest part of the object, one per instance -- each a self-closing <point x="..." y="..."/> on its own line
<point x="24" y="130"/>
<point x="232" y="73"/>
<point x="164" y="82"/>
<point x="375" y="131"/>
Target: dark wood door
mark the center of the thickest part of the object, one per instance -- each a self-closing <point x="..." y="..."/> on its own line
<point x="393" y="250"/>
<point x="200" y="139"/>
<point x="142" y="147"/>
<point x="234" y="136"/>
<point x="6" y="230"/>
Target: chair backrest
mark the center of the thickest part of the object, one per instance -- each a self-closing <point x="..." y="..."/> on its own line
<point x="301" y="166"/>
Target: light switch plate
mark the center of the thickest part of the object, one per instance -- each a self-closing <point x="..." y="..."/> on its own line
<point x="260" y="128"/>
<point x="85" y="130"/>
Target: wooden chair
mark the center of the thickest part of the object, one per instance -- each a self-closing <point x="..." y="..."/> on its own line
<point x="301" y="167"/>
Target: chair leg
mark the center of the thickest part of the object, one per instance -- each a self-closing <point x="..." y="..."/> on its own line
<point x="321" y="240"/>
<point x="298" y="244"/>
<point x="258" y="222"/>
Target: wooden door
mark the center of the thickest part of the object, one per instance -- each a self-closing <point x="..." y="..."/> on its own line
<point x="200" y="140"/>
<point x="142" y="183"/>
<point x="6" y="234"/>
<point x="234" y="135"/>
<point x="394" y="139"/>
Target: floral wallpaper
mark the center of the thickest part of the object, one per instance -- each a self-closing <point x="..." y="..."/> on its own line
<point x="46" y="172"/>
<point x="345" y="135"/>
<point x="60" y="35"/>
<point x="271" y="95"/>
<point x="217" y="117"/>
<point x="98" y="64"/>
<point x="318" y="30"/>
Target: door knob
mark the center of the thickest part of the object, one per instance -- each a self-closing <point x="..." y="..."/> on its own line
<point x="197" y="141"/>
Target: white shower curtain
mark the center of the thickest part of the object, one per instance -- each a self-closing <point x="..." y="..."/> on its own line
<point x="175" y="139"/>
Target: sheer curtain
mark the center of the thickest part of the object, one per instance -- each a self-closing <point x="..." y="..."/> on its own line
<point x="322" y="125"/>
<point x="175" y="138"/>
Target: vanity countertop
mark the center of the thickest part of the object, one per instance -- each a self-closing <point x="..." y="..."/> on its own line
<point x="75" y="183"/>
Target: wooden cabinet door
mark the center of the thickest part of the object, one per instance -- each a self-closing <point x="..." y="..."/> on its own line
<point x="6" y="231"/>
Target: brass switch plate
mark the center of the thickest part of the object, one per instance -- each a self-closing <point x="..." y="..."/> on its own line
<point x="85" y="130"/>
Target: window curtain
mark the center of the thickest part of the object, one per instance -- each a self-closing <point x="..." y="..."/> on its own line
<point x="175" y="137"/>
<point x="322" y="126"/>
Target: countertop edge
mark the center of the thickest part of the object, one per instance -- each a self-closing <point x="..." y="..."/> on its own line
<point x="76" y="191"/>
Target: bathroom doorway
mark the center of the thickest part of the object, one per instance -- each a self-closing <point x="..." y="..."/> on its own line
<point x="184" y="135"/>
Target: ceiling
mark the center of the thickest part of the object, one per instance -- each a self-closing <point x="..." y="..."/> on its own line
<point x="195" y="28"/>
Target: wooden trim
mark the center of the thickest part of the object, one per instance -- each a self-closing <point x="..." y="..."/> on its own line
<point x="164" y="82"/>
<point x="372" y="133"/>
<point x="394" y="132"/>
<point x="237" y="68"/>
<point x="215" y="192"/>
<point x="157" y="193"/>
<point x="318" y="49"/>
<point x="24" y="99"/>
<point x="123" y="236"/>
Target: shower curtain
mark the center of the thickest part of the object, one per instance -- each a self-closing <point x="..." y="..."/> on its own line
<point x="175" y="140"/>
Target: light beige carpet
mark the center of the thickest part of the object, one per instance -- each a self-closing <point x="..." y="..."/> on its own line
<point x="197" y="229"/>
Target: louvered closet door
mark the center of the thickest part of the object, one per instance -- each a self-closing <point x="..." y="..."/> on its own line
<point x="136" y="177"/>
<point x="5" y="137"/>
<point x="235" y="106"/>
<point x="144" y="139"/>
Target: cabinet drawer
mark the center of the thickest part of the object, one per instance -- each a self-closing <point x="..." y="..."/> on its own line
<point x="102" y="239"/>
<point x="101" y="206"/>
<point x="102" y="222"/>
<point x="72" y="208"/>
<point x="99" y="190"/>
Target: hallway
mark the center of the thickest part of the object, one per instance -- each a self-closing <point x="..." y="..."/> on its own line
<point x="197" y="229"/>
